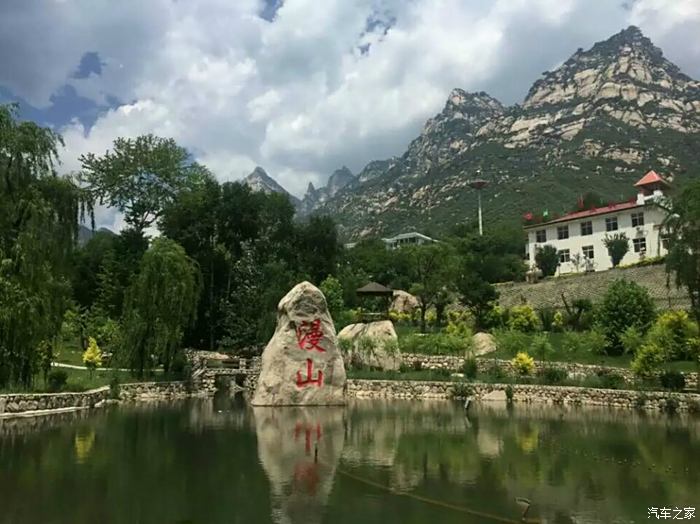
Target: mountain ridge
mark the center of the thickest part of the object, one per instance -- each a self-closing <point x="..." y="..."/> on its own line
<point x="596" y="122"/>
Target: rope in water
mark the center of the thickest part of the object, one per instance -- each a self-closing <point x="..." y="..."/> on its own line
<point x="434" y="502"/>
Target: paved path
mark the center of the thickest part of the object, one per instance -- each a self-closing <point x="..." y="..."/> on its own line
<point x="73" y="366"/>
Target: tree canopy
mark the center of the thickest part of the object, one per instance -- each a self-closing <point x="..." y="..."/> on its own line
<point x="140" y="176"/>
<point x="39" y="216"/>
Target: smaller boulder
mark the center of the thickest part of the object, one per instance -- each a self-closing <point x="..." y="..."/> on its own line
<point x="483" y="343"/>
<point x="403" y="302"/>
<point x="374" y="345"/>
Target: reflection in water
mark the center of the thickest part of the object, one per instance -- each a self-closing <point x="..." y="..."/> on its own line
<point x="375" y="462"/>
<point x="299" y="448"/>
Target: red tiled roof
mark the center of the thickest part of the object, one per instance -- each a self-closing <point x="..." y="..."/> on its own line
<point x="652" y="177"/>
<point x="576" y="215"/>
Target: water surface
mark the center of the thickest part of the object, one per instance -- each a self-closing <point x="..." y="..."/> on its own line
<point x="211" y="461"/>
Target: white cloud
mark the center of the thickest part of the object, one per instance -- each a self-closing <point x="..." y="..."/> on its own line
<point x="317" y="88"/>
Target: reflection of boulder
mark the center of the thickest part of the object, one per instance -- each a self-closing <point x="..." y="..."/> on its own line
<point x="483" y="343"/>
<point x="382" y="349"/>
<point x="302" y="364"/>
<point x="299" y="449"/>
<point x="403" y="302"/>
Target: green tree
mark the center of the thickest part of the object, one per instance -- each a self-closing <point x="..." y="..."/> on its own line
<point x="160" y="303"/>
<point x="333" y="291"/>
<point x="625" y="304"/>
<point x="682" y="229"/>
<point x="432" y="271"/>
<point x="547" y="259"/>
<point x="39" y="217"/>
<point x="617" y="246"/>
<point x="140" y="177"/>
<point x="478" y="296"/>
<point x="92" y="357"/>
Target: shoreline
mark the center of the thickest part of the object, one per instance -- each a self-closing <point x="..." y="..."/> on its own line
<point x="41" y="404"/>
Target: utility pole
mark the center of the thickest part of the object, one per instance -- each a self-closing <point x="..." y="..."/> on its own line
<point x="479" y="184"/>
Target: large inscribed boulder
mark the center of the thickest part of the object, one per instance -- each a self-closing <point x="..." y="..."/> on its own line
<point x="374" y="344"/>
<point x="302" y="364"/>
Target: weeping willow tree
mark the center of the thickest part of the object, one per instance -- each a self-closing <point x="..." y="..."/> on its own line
<point x="39" y="217"/>
<point x="160" y="303"/>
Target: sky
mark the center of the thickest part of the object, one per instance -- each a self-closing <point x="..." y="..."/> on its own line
<point x="300" y="87"/>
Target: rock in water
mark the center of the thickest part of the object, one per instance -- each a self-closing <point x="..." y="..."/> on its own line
<point x="302" y="364"/>
<point x="383" y="352"/>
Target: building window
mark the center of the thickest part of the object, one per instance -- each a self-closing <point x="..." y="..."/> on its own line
<point x="640" y="244"/>
<point x="611" y="224"/>
<point x="588" y="252"/>
<point x="664" y="242"/>
<point x="586" y="228"/>
<point x="563" y="232"/>
<point x="637" y="219"/>
<point x="564" y="256"/>
<point x="541" y="235"/>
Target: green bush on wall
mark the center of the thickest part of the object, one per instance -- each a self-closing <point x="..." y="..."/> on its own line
<point x="625" y="304"/>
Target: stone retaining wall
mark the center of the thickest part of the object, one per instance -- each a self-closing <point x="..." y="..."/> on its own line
<point x="29" y="402"/>
<point x="400" y="389"/>
<point x="21" y="402"/>
<point x="484" y="364"/>
<point x="153" y="391"/>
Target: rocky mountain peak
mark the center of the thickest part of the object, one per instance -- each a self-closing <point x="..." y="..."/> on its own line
<point x="338" y="180"/>
<point x="259" y="180"/>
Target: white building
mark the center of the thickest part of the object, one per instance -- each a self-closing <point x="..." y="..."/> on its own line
<point x="407" y="239"/>
<point x="579" y="236"/>
<point x="404" y="239"/>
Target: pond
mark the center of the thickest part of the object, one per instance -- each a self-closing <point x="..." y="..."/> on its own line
<point x="216" y="461"/>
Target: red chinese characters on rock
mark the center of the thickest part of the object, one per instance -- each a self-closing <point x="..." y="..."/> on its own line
<point x="309" y="380"/>
<point x="309" y="336"/>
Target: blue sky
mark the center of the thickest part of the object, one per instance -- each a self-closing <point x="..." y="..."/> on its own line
<point x="300" y="87"/>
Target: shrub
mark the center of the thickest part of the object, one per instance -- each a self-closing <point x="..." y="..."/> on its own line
<point x="523" y="363"/>
<point x="558" y="321"/>
<point x="459" y="328"/>
<point x="462" y="390"/>
<point x="552" y="375"/>
<point x="672" y="380"/>
<point x="676" y="334"/>
<point x="114" y="388"/>
<point x="495" y="372"/>
<point x="345" y="345"/>
<point x="572" y="342"/>
<point x="510" y="341"/>
<point x="509" y="394"/>
<point x="625" y="304"/>
<point x="617" y="245"/>
<point x="647" y="360"/>
<point x="579" y="315"/>
<point x="541" y="347"/>
<point x="57" y="379"/>
<point x="631" y="340"/>
<point x="417" y="365"/>
<point x="546" y="315"/>
<point x="523" y="318"/>
<point x="611" y="379"/>
<point x="594" y="341"/>
<point x="469" y="368"/>
<point x="547" y="259"/>
<point x="92" y="357"/>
